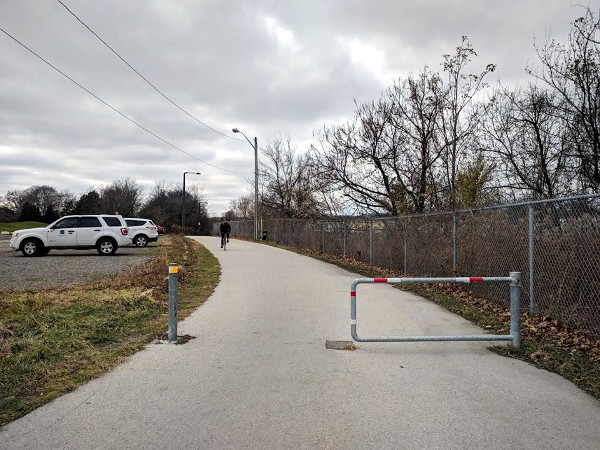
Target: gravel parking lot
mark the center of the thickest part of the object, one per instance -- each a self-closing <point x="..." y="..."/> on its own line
<point x="64" y="267"/>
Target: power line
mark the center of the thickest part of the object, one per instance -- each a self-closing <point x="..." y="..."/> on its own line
<point x="115" y="109"/>
<point x="142" y="76"/>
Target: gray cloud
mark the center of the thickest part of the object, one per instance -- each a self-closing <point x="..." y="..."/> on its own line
<point x="270" y="68"/>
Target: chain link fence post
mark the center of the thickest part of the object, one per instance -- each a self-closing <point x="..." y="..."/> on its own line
<point x="454" y="247"/>
<point x="405" y="246"/>
<point x="371" y="241"/>
<point x="531" y="259"/>
<point x="345" y="238"/>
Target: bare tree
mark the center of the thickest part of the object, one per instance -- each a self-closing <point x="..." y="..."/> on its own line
<point x="525" y="138"/>
<point x="122" y="196"/>
<point x="290" y="189"/>
<point x="572" y="70"/>
<point x="417" y="105"/>
<point x="384" y="159"/>
<point x="404" y="152"/>
<point x="242" y="208"/>
<point x="163" y="206"/>
<point x="354" y="158"/>
<point x="460" y="112"/>
<point x="46" y="199"/>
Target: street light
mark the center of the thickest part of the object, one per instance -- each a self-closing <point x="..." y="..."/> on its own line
<point x="255" y="146"/>
<point x="183" y="202"/>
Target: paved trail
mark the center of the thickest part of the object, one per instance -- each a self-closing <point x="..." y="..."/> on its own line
<point x="258" y="376"/>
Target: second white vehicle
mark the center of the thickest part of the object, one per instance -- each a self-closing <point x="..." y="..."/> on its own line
<point x="142" y="231"/>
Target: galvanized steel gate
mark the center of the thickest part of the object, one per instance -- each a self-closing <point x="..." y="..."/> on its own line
<point x="514" y="279"/>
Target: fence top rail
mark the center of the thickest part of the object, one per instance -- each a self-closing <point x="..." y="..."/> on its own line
<point x="441" y="213"/>
<point x="512" y="279"/>
<point x="496" y="207"/>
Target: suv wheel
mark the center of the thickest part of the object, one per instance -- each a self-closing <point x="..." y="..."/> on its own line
<point x="106" y="246"/>
<point x="32" y="247"/>
<point x="140" y="240"/>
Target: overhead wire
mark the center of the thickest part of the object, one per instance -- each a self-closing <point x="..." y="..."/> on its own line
<point x="142" y="76"/>
<point x="115" y="109"/>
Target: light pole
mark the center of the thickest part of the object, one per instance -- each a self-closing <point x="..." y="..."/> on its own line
<point x="255" y="146"/>
<point x="183" y="202"/>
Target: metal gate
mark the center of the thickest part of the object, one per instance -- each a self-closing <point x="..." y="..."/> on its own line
<point x="514" y="280"/>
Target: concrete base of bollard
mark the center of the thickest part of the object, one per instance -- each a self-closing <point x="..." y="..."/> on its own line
<point x="340" y="345"/>
<point x="181" y="339"/>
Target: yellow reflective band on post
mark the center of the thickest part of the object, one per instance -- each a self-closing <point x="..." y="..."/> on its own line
<point x="173" y="269"/>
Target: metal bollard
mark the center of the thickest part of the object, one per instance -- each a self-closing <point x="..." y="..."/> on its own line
<point x="173" y="277"/>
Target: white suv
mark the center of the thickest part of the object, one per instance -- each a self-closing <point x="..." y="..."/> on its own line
<point x="103" y="232"/>
<point x="142" y="231"/>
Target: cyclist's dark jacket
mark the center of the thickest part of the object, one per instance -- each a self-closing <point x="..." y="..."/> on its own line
<point x="225" y="227"/>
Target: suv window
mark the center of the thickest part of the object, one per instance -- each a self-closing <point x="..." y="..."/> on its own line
<point x="69" y="222"/>
<point x="112" y="221"/>
<point x="89" y="222"/>
<point x="134" y="223"/>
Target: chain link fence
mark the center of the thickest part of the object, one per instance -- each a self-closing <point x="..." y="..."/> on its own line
<point x="555" y="244"/>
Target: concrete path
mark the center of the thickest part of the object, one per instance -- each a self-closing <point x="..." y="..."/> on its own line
<point x="258" y="376"/>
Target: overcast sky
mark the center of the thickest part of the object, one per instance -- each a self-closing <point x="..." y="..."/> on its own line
<point x="270" y="68"/>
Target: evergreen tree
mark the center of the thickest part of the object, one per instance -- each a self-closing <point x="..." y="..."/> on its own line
<point x="29" y="213"/>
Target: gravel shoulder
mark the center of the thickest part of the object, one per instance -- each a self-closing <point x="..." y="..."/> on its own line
<point x="65" y="267"/>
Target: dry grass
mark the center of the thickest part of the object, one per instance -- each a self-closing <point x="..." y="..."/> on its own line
<point x="53" y="340"/>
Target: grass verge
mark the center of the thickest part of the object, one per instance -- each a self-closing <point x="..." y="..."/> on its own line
<point x="14" y="226"/>
<point x="546" y="344"/>
<point x="53" y="340"/>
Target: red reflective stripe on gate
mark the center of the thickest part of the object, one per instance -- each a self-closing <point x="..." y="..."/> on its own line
<point x="379" y="280"/>
<point x="475" y="279"/>
<point x="352" y="293"/>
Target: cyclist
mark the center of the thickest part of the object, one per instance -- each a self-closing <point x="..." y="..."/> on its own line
<point x="225" y="229"/>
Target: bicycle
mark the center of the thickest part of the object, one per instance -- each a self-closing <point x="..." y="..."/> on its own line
<point x="224" y="241"/>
